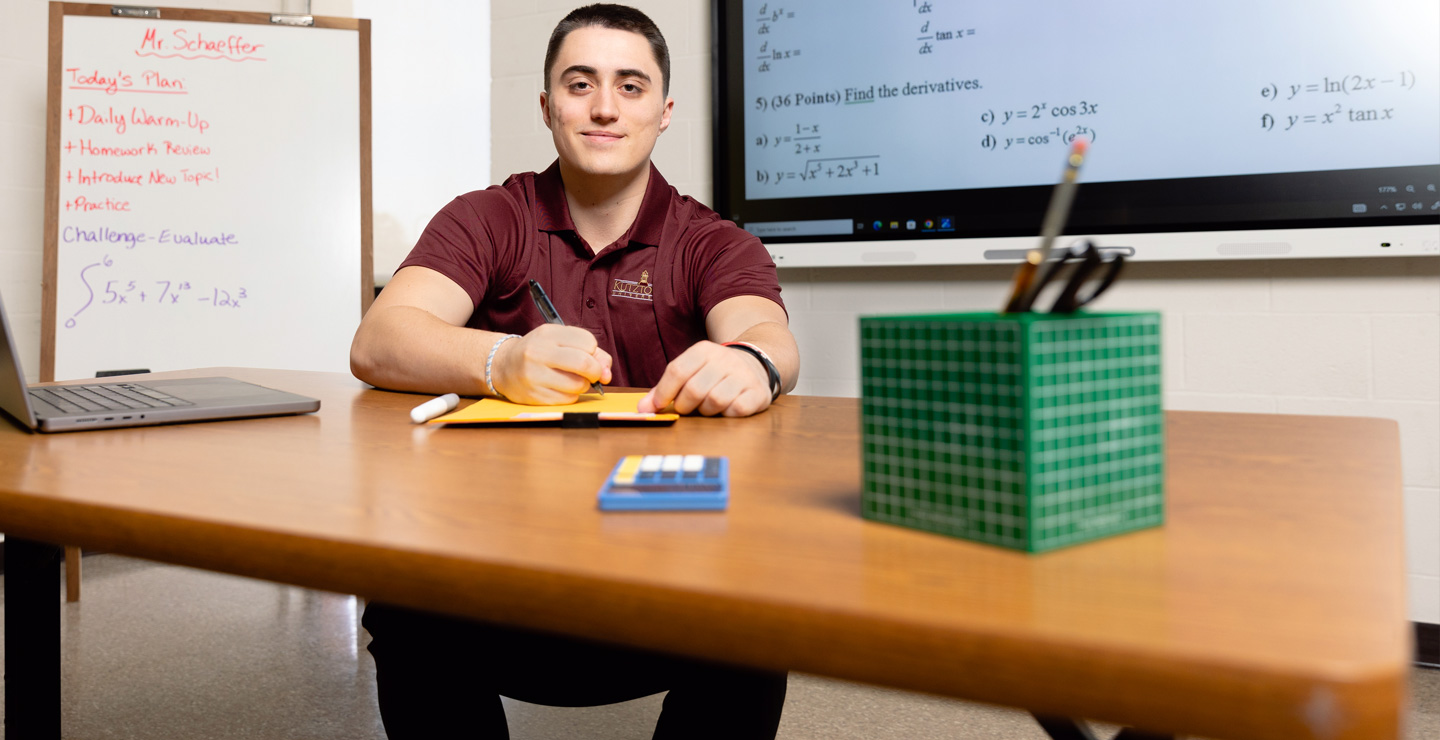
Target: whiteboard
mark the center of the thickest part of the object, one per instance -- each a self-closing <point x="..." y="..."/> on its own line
<point x="208" y="192"/>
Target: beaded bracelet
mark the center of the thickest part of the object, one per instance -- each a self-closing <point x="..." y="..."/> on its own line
<point x="490" y="360"/>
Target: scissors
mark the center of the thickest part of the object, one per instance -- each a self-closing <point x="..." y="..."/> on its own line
<point x="1093" y="268"/>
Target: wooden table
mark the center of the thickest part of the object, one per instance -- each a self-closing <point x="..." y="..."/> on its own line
<point x="1270" y="605"/>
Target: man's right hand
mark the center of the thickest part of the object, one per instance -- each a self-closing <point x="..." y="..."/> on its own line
<point x="551" y="365"/>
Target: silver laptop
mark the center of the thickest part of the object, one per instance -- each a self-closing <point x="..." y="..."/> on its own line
<point x="126" y="404"/>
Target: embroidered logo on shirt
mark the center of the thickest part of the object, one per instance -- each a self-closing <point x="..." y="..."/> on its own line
<point x="641" y="291"/>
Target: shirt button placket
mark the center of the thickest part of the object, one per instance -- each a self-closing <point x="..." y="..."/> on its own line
<point x="585" y="291"/>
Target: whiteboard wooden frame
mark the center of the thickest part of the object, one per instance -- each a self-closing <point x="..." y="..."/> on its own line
<point x="53" y="116"/>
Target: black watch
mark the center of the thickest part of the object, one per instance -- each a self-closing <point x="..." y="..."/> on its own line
<point x="770" y="371"/>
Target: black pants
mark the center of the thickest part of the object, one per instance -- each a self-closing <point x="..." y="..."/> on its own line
<point x="440" y="677"/>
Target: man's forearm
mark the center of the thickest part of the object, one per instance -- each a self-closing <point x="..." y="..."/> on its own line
<point x="405" y="348"/>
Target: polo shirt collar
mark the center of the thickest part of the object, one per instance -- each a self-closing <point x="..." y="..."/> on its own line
<point x="553" y="212"/>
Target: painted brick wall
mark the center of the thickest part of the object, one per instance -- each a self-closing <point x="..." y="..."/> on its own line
<point x="1336" y="337"/>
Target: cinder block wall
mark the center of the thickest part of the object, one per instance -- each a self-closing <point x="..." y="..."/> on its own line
<point x="1335" y="337"/>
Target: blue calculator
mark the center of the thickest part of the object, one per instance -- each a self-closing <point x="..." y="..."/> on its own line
<point x="667" y="483"/>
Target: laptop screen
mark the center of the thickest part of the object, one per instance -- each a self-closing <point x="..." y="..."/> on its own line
<point x="13" y="397"/>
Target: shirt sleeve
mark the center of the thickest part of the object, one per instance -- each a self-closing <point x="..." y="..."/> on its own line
<point x="470" y="240"/>
<point x="728" y="262"/>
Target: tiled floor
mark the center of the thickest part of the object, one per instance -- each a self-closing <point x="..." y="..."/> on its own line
<point x="156" y="651"/>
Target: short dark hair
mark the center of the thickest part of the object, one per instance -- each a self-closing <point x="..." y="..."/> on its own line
<point x="618" y="17"/>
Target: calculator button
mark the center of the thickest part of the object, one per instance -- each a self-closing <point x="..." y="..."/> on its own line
<point x="671" y="463"/>
<point x="628" y="467"/>
<point x="692" y="463"/>
<point x="651" y="463"/>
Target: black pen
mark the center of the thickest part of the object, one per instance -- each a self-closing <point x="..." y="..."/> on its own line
<point x="547" y="310"/>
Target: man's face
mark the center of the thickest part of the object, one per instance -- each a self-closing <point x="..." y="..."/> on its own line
<point x="606" y="105"/>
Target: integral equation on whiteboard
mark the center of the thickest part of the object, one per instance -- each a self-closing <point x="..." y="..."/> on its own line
<point x="103" y="288"/>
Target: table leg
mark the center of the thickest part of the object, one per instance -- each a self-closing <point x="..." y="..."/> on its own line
<point x="1064" y="728"/>
<point x="72" y="574"/>
<point x="32" y="639"/>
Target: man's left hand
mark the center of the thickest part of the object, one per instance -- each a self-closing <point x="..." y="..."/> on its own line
<point x="712" y="379"/>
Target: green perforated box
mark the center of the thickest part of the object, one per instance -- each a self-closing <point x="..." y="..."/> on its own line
<point x="1028" y="431"/>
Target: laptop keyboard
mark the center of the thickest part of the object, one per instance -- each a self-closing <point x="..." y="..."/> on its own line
<point x="77" y="399"/>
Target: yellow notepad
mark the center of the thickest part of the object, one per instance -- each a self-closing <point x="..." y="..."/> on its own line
<point x="611" y="407"/>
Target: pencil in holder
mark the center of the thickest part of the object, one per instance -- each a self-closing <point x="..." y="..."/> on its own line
<point x="1029" y="431"/>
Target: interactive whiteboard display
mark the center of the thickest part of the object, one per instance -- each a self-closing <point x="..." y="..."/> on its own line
<point x="918" y="121"/>
<point x="990" y="97"/>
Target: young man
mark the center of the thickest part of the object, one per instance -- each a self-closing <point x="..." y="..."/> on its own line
<point x="652" y="286"/>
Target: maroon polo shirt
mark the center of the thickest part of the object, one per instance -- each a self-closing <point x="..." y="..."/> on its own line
<point x="644" y="297"/>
